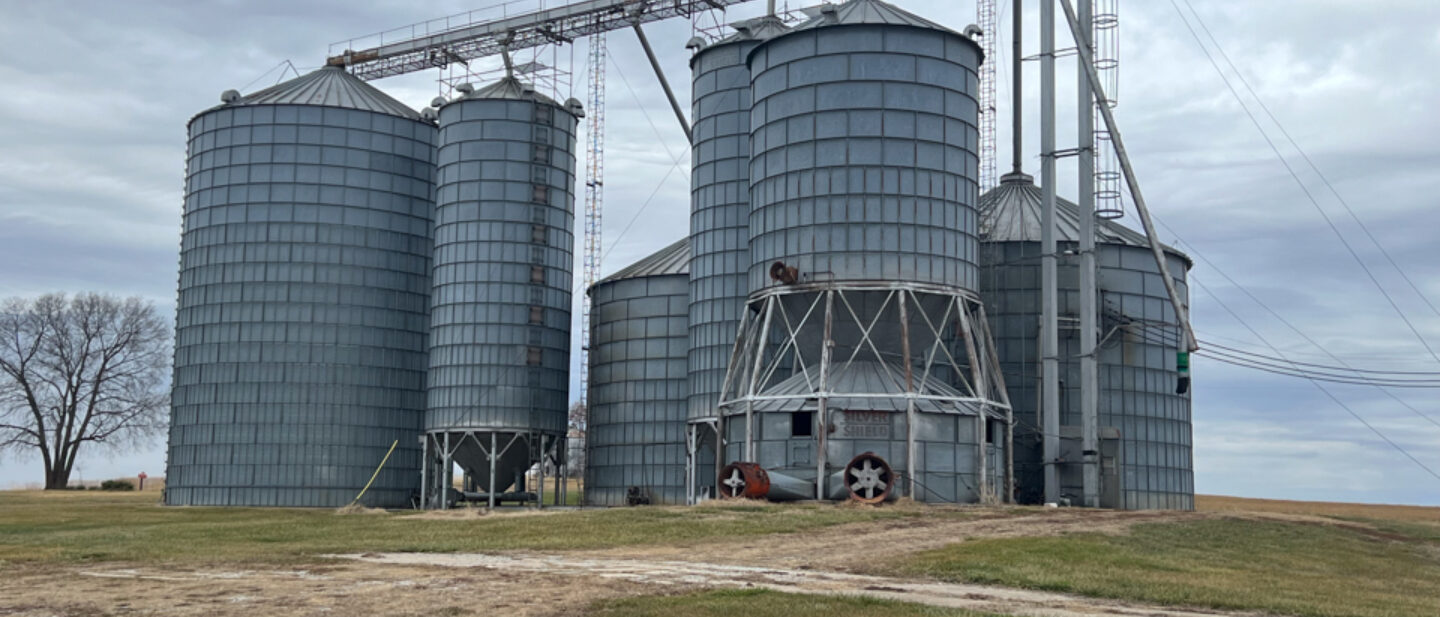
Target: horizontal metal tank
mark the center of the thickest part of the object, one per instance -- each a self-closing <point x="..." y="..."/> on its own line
<point x="636" y="429"/>
<point x="304" y="287"/>
<point x="1145" y="425"/>
<point x="719" y="219"/>
<point x="500" y="318"/>
<point x="863" y="259"/>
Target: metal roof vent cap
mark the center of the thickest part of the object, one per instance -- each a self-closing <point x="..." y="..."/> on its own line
<point x="573" y="106"/>
<point x="229" y="96"/>
<point x="527" y="89"/>
<point x="695" y="43"/>
<point x="973" y="31"/>
<point x="828" y="10"/>
<point x="438" y="102"/>
<point x="465" y="88"/>
<point x="429" y="113"/>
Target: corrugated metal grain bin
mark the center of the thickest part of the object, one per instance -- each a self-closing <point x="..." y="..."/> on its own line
<point x="1147" y="457"/>
<point x="636" y="428"/>
<point x="500" y="318"/>
<point x="863" y="143"/>
<point x="719" y="215"/>
<point x="304" y="286"/>
<point x="862" y="227"/>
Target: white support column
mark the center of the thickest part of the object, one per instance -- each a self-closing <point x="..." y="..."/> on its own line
<point x="424" y="470"/>
<point x="911" y="458"/>
<point x="494" y="458"/>
<point x="1050" y="326"/>
<point x="690" y="463"/>
<point x="447" y="475"/>
<point x="540" y="476"/>
<point x="1089" y="302"/>
<point x="761" y="340"/>
<point x="822" y="413"/>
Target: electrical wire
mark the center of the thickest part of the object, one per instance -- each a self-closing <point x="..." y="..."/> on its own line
<point x="658" y="137"/>
<point x="1328" y="393"/>
<point x="1322" y="388"/>
<point x="1234" y="350"/>
<point x="1313" y="167"/>
<point x="1306" y="190"/>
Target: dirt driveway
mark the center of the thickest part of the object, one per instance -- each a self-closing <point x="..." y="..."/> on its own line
<point x="842" y="560"/>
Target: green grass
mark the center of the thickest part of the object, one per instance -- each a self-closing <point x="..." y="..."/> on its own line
<point x="85" y="526"/>
<point x="1227" y="563"/>
<point x="763" y="603"/>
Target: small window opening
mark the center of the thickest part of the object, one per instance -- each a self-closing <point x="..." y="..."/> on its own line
<point x="802" y="424"/>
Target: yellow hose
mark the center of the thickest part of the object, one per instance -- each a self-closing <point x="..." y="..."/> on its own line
<point x="377" y="472"/>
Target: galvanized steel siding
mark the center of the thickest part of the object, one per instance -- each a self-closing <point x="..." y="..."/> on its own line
<point x="636" y="432"/>
<point x="1137" y="370"/>
<point x="504" y="232"/>
<point x="719" y="216"/>
<point x="863" y="142"/>
<point x="301" y="315"/>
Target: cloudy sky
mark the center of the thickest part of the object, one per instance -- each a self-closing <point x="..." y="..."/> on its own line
<point x="96" y="95"/>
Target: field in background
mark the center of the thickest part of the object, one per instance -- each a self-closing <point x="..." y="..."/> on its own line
<point x="1218" y="503"/>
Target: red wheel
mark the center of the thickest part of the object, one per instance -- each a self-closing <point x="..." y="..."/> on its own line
<point x="869" y="478"/>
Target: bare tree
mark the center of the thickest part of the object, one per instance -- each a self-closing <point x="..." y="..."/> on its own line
<point x="88" y="369"/>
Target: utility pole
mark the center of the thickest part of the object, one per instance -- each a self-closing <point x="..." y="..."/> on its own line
<point x="1050" y="323"/>
<point x="1089" y="374"/>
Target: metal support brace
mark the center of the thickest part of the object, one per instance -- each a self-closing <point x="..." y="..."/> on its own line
<point x="1050" y="334"/>
<point x="424" y="470"/>
<point x="1089" y="375"/>
<point x="911" y="461"/>
<point x="754" y="379"/>
<point x="822" y="414"/>
<point x="1087" y="60"/>
<point x="494" y="459"/>
<point x="664" y="83"/>
<point x="446" y="475"/>
<point x="540" y="476"/>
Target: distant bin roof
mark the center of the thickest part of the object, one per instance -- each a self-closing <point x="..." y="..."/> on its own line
<point x="857" y="12"/>
<point x="673" y="259"/>
<point x="509" y="88"/>
<point x="1011" y="212"/>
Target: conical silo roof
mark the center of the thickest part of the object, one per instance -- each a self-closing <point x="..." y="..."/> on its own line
<point x="510" y="88"/>
<point x="857" y="12"/>
<point x="330" y="87"/>
<point x="1011" y="212"/>
<point x="757" y="29"/>
<point x="673" y="259"/>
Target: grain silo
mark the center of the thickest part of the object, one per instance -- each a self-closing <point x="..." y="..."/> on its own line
<point x="719" y="227"/>
<point x="636" y="430"/>
<point x="304" y="285"/>
<point x="1145" y="426"/>
<point x="500" y="316"/>
<point x="863" y="270"/>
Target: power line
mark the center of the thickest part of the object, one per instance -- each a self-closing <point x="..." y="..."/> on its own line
<point x="1278" y="367"/>
<point x="1326" y="181"/>
<point x="1320" y="366"/>
<point x="1308" y="195"/>
<point x="660" y="138"/>
<point x="1321" y="387"/>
